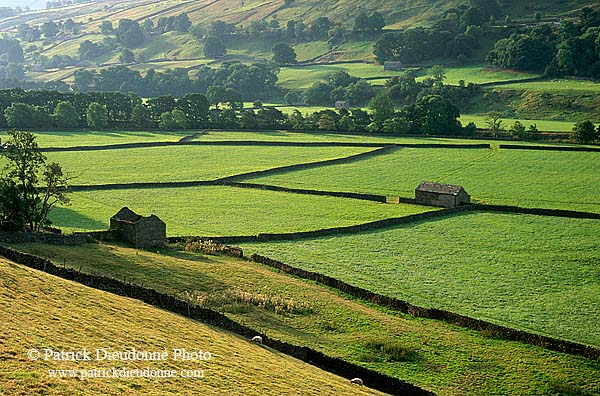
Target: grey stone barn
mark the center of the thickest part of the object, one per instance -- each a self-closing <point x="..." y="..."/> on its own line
<point x="444" y="195"/>
<point x="342" y="104"/>
<point x="392" y="65"/>
<point x="137" y="230"/>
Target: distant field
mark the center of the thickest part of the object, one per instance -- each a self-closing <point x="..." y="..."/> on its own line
<point x="447" y="359"/>
<point x="559" y="85"/>
<point x="542" y="125"/>
<point x="184" y="163"/>
<point x="529" y="272"/>
<point x="48" y="312"/>
<point x="99" y="138"/>
<point x="305" y="76"/>
<point x="562" y="180"/>
<point x="480" y="75"/>
<point x="219" y="211"/>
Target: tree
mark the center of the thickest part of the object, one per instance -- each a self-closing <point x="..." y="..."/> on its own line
<point x="54" y="192"/>
<point x="129" y="33"/>
<point x="126" y="56"/>
<point x="97" y="116"/>
<point x="382" y="107"/>
<point x="584" y="132"/>
<point x="326" y="123"/>
<point x="65" y="115"/>
<point x="318" y="93"/>
<point x="438" y="73"/>
<point x="167" y="122"/>
<point x="49" y="29"/>
<point x="361" y="22"/>
<point x="216" y="95"/>
<point x="376" y="21"/>
<point x="25" y="204"/>
<point x="518" y="130"/>
<point x="106" y="28"/>
<point x="283" y="54"/>
<point x="179" y="118"/>
<point x="141" y="117"/>
<point x="494" y="123"/>
<point x="21" y="115"/>
<point x="436" y="115"/>
<point x="182" y="23"/>
<point x="537" y="17"/>
<point x="214" y="47"/>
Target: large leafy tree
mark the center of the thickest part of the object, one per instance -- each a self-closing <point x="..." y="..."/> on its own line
<point x="65" y="115"/>
<point x="29" y="187"/>
<point x="283" y="54"/>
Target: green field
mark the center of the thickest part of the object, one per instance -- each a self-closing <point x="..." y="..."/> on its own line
<point x="528" y="272"/>
<point x="542" y="125"/>
<point x="445" y="359"/>
<point x="558" y="85"/>
<point x="479" y="75"/>
<point x="48" y="312"/>
<point x="304" y="76"/>
<point x="74" y="138"/>
<point x="219" y="211"/>
<point x="186" y="163"/>
<point x="559" y="180"/>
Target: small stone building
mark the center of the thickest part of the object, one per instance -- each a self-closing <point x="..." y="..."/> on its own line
<point x="137" y="230"/>
<point x="392" y="65"/>
<point x="342" y="104"/>
<point x="443" y="195"/>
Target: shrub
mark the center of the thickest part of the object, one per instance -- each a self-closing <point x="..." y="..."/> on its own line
<point x="390" y="350"/>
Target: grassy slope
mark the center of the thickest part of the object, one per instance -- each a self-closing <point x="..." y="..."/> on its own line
<point x="522" y="271"/>
<point x="449" y="360"/>
<point x="218" y="211"/>
<point x="561" y="180"/>
<point x="41" y="311"/>
<point x="185" y="162"/>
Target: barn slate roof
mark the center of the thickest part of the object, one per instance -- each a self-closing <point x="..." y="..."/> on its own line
<point x="127" y="215"/>
<point x="439" y="188"/>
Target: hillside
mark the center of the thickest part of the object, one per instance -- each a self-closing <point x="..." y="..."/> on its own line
<point x="398" y="14"/>
<point x="41" y="311"/>
<point x="443" y="358"/>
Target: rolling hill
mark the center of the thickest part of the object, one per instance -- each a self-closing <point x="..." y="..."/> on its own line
<point x="42" y="311"/>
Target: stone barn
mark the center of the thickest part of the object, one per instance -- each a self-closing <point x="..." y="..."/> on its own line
<point x="392" y="65"/>
<point x="342" y="104"/>
<point x="137" y="230"/>
<point x="443" y="195"/>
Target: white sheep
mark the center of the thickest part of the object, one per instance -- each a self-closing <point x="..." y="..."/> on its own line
<point x="257" y="339"/>
<point x="356" y="381"/>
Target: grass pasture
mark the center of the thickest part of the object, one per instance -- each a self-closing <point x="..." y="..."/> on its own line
<point x="72" y="138"/>
<point x="186" y="163"/>
<point x="535" y="273"/>
<point x="556" y="85"/>
<point x="558" y="180"/>
<point x="220" y="211"/>
<point x="479" y="74"/>
<point x="42" y="311"/>
<point x="446" y="359"/>
<point x="542" y="125"/>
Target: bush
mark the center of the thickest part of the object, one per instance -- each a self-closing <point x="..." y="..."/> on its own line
<point x="390" y="350"/>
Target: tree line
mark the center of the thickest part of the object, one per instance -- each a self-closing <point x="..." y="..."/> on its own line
<point x="571" y="49"/>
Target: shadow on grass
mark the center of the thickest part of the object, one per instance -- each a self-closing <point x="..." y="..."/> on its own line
<point x="68" y="218"/>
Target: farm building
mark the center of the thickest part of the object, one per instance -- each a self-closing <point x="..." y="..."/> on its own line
<point x="138" y="230"/>
<point x="444" y="195"/>
<point x="342" y="104"/>
<point x="392" y="65"/>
